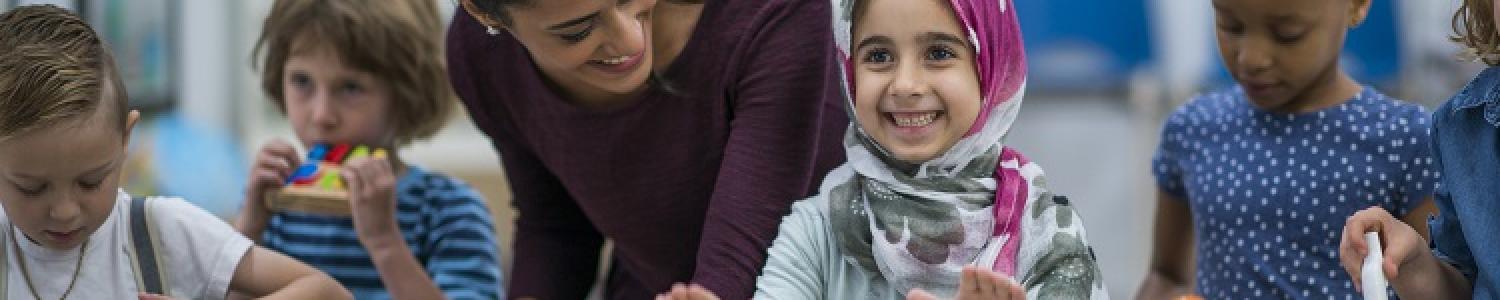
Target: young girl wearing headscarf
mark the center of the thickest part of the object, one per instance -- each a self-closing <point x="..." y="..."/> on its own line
<point x="931" y="202"/>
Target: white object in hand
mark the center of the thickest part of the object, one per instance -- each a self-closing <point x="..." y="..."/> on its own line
<point x="1372" y="273"/>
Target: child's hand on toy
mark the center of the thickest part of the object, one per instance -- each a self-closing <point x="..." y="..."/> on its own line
<point x="976" y="284"/>
<point x="687" y="292"/>
<point x="273" y="165"/>
<point x="371" y="182"/>
<point x="1402" y="244"/>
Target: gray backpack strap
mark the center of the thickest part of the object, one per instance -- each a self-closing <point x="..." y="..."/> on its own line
<point x="150" y="276"/>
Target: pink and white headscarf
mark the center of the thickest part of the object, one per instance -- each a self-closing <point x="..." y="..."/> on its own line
<point x="920" y="225"/>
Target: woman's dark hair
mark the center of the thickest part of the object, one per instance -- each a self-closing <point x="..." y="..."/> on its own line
<point x="496" y="8"/>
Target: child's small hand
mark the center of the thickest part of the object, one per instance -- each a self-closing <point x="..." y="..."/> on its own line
<point x="145" y="296"/>
<point x="976" y="284"/>
<point x="273" y="164"/>
<point x="1402" y="244"/>
<point x="372" y="199"/>
<point x="687" y="292"/>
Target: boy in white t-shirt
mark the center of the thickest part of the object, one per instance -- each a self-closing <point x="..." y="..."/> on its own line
<point x="66" y="230"/>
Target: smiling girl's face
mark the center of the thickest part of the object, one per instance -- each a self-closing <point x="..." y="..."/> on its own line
<point x="916" y="91"/>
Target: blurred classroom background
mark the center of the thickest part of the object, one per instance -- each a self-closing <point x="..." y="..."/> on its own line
<point x="1103" y="75"/>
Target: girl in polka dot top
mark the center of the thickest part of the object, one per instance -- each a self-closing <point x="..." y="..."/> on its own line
<point x="1463" y="259"/>
<point x="1256" y="180"/>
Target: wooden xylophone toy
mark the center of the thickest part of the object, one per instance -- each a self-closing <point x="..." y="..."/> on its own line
<point x="316" y="186"/>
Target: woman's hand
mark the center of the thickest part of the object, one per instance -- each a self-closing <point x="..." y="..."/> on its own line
<point x="687" y="292"/>
<point x="976" y="284"/>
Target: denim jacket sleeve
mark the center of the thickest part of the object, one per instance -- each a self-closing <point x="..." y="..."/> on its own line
<point x="1464" y="140"/>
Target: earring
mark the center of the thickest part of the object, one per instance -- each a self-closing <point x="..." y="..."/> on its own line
<point x="491" y="30"/>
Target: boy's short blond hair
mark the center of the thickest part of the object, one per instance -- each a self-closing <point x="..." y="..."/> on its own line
<point x="1474" y="27"/>
<point x="398" y="41"/>
<point x="53" y="67"/>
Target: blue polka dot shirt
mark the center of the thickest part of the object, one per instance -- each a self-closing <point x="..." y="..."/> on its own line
<point x="1269" y="192"/>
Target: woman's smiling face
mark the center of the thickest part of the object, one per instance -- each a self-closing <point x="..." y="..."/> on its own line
<point x="916" y="91"/>
<point x="594" y="46"/>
